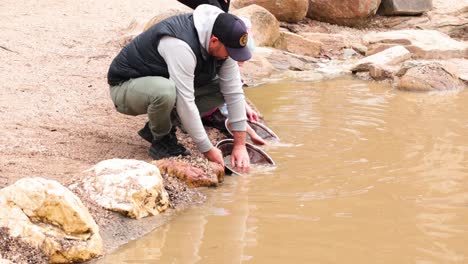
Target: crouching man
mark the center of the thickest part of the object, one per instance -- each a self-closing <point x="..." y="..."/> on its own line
<point x="190" y="62"/>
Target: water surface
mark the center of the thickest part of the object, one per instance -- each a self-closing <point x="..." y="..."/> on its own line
<point x="366" y="174"/>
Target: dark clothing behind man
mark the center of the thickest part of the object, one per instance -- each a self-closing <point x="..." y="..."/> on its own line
<point x="224" y="5"/>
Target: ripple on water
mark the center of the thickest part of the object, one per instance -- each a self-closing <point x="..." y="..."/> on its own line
<point x="331" y="194"/>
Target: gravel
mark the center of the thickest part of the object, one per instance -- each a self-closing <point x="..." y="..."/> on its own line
<point x="17" y="251"/>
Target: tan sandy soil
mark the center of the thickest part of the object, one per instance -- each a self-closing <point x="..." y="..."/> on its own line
<point x="19" y="252"/>
<point x="57" y="118"/>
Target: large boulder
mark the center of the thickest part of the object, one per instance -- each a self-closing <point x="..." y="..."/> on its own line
<point x="160" y="17"/>
<point x="131" y="187"/>
<point x="404" y="7"/>
<point x="298" y="44"/>
<point x="428" y="76"/>
<point x="265" y="27"/>
<point x="424" y="44"/>
<point x="348" y="13"/>
<point x="48" y="216"/>
<point x="286" y="10"/>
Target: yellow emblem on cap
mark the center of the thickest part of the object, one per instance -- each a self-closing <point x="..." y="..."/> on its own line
<point x="243" y="40"/>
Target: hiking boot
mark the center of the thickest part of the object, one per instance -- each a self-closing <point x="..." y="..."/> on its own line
<point x="145" y="133"/>
<point x="216" y="120"/>
<point x="167" y="146"/>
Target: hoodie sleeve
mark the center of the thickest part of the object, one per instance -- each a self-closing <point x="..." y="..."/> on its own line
<point x="231" y="88"/>
<point x="181" y="66"/>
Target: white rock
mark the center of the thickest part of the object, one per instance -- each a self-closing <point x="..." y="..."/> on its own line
<point x="48" y="216"/>
<point x="132" y="187"/>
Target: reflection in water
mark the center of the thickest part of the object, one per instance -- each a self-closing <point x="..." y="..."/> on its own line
<point x="365" y="174"/>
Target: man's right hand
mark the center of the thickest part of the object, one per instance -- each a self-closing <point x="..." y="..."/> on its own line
<point x="251" y="114"/>
<point x="215" y="155"/>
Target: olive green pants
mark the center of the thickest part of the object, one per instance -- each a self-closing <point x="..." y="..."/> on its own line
<point x="156" y="96"/>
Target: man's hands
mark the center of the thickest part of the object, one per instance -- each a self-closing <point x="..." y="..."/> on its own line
<point x="215" y="155"/>
<point x="240" y="159"/>
<point x="251" y="114"/>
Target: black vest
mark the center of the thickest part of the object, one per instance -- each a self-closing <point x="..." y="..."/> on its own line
<point x="141" y="58"/>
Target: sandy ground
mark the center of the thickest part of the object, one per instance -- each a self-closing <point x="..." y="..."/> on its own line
<point x="13" y="246"/>
<point x="57" y="118"/>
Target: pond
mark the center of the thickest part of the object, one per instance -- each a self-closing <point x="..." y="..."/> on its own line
<point x="365" y="174"/>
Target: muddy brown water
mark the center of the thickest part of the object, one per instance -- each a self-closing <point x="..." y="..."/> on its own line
<point x="366" y="174"/>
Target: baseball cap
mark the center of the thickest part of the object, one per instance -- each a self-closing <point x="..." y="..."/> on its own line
<point x="232" y="32"/>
